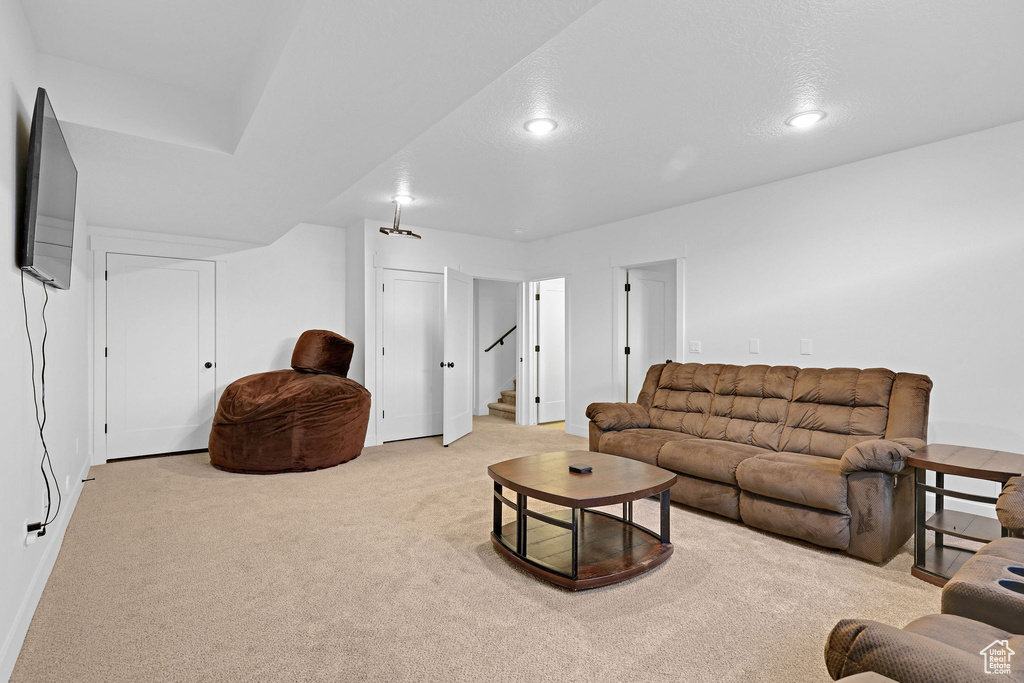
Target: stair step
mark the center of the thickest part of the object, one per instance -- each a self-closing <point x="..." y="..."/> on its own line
<point x="508" y="397"/>
<point x="502" y="410"/>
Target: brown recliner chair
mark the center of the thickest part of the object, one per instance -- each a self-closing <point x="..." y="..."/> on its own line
<point x="982" y="610"/>
<point x="307" y="418"/>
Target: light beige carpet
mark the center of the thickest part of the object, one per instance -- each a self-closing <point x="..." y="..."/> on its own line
<point x="381" y="569"/>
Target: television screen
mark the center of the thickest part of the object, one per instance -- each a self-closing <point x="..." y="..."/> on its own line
<point x="48" y="229"/>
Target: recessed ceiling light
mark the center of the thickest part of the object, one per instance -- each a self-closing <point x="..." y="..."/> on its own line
<point x="402" y="199"/>
<point x="541" y="126"/>
<point x="805" y="119"/>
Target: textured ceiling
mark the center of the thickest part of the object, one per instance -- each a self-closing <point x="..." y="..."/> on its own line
<point x="659" y="103"/>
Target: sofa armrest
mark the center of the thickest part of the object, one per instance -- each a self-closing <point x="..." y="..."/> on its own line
<point x="858" y="645"/>
<point x="880" y="455"/>
<point x="1010" y="506"/>
<point x="618" y="416"/>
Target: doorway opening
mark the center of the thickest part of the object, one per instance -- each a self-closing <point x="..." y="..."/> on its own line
<point x="159" y="352"/>
<point x="648" y="329"/>
<point x="411" y="352"/>
<point x="496" y="348"/>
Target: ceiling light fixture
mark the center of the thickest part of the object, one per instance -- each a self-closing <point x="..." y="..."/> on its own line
<point x="805" y="119"/>
<point x="541" y="126"/>
<point x="402" y="199"/>
<point x="395" y="230"/>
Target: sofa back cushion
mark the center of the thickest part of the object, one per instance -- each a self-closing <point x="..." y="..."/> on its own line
<point x="834" y="409"/>
<point x="750" y="404"/>
<point x="682" y="401"/>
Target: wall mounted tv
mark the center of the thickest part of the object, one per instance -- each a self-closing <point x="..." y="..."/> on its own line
<point x="48" y="227"/>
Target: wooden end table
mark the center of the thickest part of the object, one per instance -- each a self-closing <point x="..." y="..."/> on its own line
<point x="579" y="548"/>
<point x="939" y="562"/>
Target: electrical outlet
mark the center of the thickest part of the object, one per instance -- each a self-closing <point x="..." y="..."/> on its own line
<point x="67" y="483"/>
<point x="805" y="347"/>
<point x="695" y="347"/>
<point x="755" y="346"/>
<point x="31" y="536"/>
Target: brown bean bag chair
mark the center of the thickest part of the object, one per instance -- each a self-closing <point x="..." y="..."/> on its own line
<point x="296" y="420"/>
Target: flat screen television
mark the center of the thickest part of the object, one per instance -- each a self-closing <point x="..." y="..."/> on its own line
<point x="48" y="227"/>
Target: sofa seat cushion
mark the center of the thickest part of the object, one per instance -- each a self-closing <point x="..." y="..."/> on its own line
<point x="821" y="527"/>
<point x="639" y="444"/>
<point x="707" y="458"/>
<point x="808" y="480"/>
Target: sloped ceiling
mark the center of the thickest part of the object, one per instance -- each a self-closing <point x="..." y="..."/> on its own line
<point x="237" y="119"/>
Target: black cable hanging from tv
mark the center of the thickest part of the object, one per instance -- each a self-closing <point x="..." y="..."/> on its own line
<point x="45" y="463"/>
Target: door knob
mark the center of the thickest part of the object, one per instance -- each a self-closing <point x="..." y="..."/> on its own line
<point x="208" y="365"/>
<point x="451" y="365"/>
<point x="442" y="364"/>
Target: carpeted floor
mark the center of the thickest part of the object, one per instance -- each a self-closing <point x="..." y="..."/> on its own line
<point x="381" y="569"/>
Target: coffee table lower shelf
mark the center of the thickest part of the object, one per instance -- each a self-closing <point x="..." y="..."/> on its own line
<point x="610" y="550"/>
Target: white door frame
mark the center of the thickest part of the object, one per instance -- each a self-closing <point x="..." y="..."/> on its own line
<point x="207" y="314"/>
<point x="374" y="364"/>
<point x="109" y="240"/>
<point x="526" y="411"/>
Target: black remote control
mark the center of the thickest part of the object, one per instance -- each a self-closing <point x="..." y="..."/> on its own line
<point x="580" y="469"/>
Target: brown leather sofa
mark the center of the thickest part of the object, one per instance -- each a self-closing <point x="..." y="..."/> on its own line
<point x="982" y="606"/>
<point x="809" y="453"/>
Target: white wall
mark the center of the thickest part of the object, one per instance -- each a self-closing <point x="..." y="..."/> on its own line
<point x="910" y="261"/>
<point x="274" y="294"/>
<point x="24" y="569"/>
<point x="495" y="306"/>
<point x="266" y="297"/>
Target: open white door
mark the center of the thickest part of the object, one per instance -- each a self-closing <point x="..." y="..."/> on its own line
<point x="458" y="355"/>
<point x="160" y="355"/>
<point x="551" y="353"/>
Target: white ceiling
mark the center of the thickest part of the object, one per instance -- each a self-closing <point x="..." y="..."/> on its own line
<point x="202" y="44"/>
<point x="659" y="103"/>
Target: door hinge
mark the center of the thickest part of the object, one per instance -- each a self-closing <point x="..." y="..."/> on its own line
<point x="382" y="414"/>
<point x="537" y="348"/>
<point x="627" y="350"/>
<point x="627" y="286"/>
<point x="105" y="351"/>
<point x="105" y="273"/>
<point x="382" y="350"/>
<point x="536" y="399"/>
<point x="104" y="427"/>
<point x="537" y="297"/>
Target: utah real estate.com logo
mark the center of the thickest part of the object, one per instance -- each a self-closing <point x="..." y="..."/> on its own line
<point x="997" y="657"/>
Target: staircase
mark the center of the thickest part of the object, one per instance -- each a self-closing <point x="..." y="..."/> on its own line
<point x="506" y="407"/>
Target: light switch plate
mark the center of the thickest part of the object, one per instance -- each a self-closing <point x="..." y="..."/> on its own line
<point x="755" y="346"/>
<point x="695" y="347"/>
<point x="805" y="347"/>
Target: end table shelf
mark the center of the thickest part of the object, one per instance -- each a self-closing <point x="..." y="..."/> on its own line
<point x="964" y="525"/>
<point x="939" y="562"/>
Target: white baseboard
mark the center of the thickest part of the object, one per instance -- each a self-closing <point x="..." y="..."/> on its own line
<point x="19" y="628"/>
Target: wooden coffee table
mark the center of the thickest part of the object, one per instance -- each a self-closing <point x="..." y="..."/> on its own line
<point x="580" y="548"/>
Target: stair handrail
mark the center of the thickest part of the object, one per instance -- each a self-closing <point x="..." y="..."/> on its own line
<point x="501" y="339"/>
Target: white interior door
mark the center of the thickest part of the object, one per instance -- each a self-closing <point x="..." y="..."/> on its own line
<point x="650" y="323"/>
<point x="551" y="357"/>
<point x="412" y="350"/>
<point x="458" y="355"/>
<point x="160" y="338"/>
